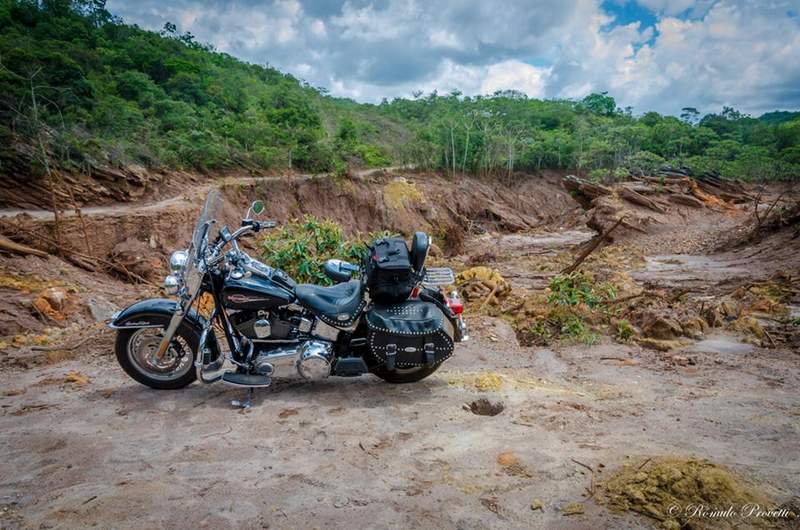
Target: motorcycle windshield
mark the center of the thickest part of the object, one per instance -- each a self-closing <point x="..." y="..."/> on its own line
<point x="193" y="274"/>
<point x="201" y="232"/>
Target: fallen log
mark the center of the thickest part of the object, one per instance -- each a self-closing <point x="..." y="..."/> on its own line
<point x="686" y="200"/>
<point x="593" y="244"/>
<point x="642" y="189"/>
<point x="637" y="198"/>
<point x="584" y="191"/>
<point x="17" y="248"/>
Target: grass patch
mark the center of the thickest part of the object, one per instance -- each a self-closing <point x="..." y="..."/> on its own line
<point x="399" y="193"/>
<point x="575" y="305"/>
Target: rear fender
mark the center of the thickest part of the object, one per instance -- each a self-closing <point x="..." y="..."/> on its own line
<point x="156" y="313"/>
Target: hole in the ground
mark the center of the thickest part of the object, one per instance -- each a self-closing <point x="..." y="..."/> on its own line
<point x="484" y="407"/>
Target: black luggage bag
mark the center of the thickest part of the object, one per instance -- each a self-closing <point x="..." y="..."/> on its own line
<point x="390" y="276"/>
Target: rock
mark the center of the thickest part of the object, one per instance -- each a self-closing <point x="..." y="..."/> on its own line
<point x="138" y="258"/>
<point x="682" y="360"/>
<point x="43" y="307"/>
<point x="662" y="328"/>
<point x="537" y="505"/>
<point x="484" y="407"/>
<point x="76" y="378"/>
<point x="694" y="327"/>
<point x="101" y="309"/>
<point x="713" y="317"/>
<point x="55" y="296"/>
<point x="748" y="326"/>
<point x="660" y="345"/>
<point x="573" y="508"/>
<point x="729" y="308"/>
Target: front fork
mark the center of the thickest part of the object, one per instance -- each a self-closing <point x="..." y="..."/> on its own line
<point x="211" y="372"/>
<point x="193" y="284"/>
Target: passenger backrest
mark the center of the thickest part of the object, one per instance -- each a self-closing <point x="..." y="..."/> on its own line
<point x="420" y="244"/>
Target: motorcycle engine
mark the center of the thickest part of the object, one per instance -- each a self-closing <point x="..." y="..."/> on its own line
<point x="271" y="325"/>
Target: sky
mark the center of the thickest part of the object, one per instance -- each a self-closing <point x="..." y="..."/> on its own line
<point x="657" y="55"/>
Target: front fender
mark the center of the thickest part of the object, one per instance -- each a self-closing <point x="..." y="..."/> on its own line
<point x="135" y="316"/>
<point x="152" y="312"/>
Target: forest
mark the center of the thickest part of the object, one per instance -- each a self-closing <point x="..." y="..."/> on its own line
<point x="87" y="89"/>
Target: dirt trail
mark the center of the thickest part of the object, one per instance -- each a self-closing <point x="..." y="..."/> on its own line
<point x="195" y="194"/>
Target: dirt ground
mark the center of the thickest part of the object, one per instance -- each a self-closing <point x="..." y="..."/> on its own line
<point x="341" y="452"/>
<point x="84" y="445"/>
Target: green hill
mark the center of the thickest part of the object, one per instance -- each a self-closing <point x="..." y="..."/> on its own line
<point x="80" y="88"/>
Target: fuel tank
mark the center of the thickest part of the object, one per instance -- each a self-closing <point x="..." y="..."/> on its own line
<point x="254" y="293"/>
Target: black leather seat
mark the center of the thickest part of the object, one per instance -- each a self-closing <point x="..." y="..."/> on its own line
<point x="338" y="305"/>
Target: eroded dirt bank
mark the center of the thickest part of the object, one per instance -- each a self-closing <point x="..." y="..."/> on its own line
<point x="84" y="445"/>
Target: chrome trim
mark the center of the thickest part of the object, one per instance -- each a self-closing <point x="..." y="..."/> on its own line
<point x="463" y="332"/>
<point x="178" y="260"/>
<point x="262" y="328"/>
<point x="132" y="326"/>
<point x="172" y="284"/>
<point x="325" y="331"/>
<point x="314" y="360"/>
<point x="282" y="360"/>
<point x="215" y="368"/>
<point x="435" y="276"/>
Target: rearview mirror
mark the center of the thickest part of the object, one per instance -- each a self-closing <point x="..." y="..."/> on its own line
<point x="257" y="207"/>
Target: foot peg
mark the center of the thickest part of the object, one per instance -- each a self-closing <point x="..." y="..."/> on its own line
<point x="246" y="380"/>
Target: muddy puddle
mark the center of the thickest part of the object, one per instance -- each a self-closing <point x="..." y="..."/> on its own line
<point x="687" y="270"/>
<point x="721" y="344"/>
<point x="519" y="245"/>
<point x="515" y="255"/>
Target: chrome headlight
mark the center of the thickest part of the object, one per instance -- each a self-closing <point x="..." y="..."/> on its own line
<point x="178" y="259"/>
<point x="171" y="284"/>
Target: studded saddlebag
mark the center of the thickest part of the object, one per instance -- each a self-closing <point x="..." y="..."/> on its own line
<point x="413" y="333"/>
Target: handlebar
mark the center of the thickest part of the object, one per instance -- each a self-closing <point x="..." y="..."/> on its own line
<point x="257" y="226"/>
<point x="224" y="237"/>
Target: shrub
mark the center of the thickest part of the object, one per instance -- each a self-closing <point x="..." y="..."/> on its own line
<point x="578" y="287"/>
<point x="302" y="247"/>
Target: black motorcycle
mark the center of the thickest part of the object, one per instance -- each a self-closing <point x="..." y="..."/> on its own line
<point x="388" y="316"/>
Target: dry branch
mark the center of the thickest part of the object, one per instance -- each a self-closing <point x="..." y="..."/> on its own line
<point x="17" y="248"/>
<point x="593" y="244"/>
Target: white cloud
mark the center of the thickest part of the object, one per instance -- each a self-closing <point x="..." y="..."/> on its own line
<point x="515" y="75"/>
<point x="318" y="28"/>
<point x="744" y="53"/>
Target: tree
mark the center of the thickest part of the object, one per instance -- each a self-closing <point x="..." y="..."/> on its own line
<point x="601" y="104"/>
<point x="690" y="115"/>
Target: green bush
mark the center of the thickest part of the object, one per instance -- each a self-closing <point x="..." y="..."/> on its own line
<point x="302" y="247"/>
<point x="579" y="288"/>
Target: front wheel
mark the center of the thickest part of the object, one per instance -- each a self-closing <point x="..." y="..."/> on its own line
<point x="407" y="375"/>
<point x="136" y="349"/>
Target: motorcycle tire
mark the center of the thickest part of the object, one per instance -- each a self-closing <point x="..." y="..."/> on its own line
<point x="411" y="375"/>
<point x="186" y="338"/>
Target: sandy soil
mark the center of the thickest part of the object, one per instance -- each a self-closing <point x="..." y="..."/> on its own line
<point x="84" y="445"/>
<point x="342" y="452"/>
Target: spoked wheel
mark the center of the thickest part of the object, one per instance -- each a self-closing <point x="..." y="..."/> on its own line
<point x="136" y="352"/>
<point x="407" y="375"/>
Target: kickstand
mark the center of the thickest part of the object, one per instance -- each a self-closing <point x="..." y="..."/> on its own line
<point x="246" y="403"/>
